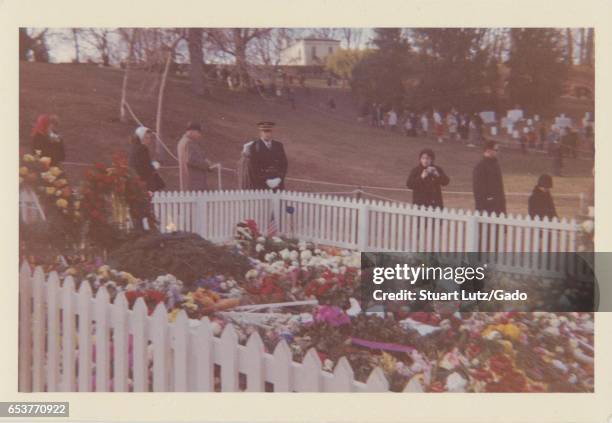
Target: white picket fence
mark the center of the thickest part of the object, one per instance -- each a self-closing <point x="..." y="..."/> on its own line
<point x="73" y="340"/>
<point x="366" y="225"/>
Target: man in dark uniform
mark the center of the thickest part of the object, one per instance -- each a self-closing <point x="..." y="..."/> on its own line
<point x="268" y="162"/>
<point x="488" y="182"/>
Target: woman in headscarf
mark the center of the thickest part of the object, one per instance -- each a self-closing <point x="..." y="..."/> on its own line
<point x="540" y="202"/>
<point x="46" y="141"/>
<point x="140" y="159"/>
<point x="426" y="181"/>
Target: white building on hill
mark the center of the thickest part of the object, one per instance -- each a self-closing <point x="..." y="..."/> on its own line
<point x="309" y="52"/>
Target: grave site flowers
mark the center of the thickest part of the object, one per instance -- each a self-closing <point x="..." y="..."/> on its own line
<point x="307" y="295"/>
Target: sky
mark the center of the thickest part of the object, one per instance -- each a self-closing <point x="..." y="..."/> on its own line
<point x="61" y="45"/>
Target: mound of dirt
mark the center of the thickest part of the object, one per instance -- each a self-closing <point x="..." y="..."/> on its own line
<point x="187" y="256"/>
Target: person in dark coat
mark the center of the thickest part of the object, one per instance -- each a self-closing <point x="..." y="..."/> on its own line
<point x="268" y="162"/>
<point x="46" y="140"/>
<point x="488" y="183"/>
<point x="140" y="159"/>
<point x="540" y="201"/>
<point x="426" y="181"/>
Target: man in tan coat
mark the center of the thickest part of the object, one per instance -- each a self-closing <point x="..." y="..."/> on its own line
<point x="193" y="164"/>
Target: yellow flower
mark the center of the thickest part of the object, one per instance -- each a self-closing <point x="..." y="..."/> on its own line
<point x="48" y="177"/>
<point x="28" y="158"/>
<point x="50" y="190"/>
<point x="388" y="363"/>
<point x="60" y="183"/>
<point x="55" y="171"/>
<point x="77" y="214"/>
<point x="71" y="271"/>
<point x="45" y="160"/>
<point x="61" y="203"/>
<point x="58" y="193"/>
<point x="77" y="204"/>
<point x="172" y="315"/>
<point x="23" y="170"/>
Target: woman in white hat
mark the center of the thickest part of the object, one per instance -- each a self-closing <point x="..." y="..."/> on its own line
<point x="140" y="159"/>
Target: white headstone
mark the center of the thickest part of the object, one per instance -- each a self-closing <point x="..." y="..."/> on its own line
<point x="515" y="134"/>
<point x="536" y="118"/>
<point x="487" y="116"/>
<point x="529" y="122"/>
<point x="494" y="130"/>
<point x="515" y="115"/>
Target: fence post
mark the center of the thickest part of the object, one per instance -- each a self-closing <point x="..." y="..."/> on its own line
<point x="364" y="226"/>
<point x="276" y="210"/>
<point x="201" y="226"/>
<point x="471" y="233"/>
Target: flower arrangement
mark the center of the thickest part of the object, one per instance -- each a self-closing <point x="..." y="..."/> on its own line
<point x="51" y="186"/>
<point x="111" y="197"/>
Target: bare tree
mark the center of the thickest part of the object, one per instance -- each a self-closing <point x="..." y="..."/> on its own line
<point x="99" y="39"/>
<point x="129" y="36"/>
<point x="351" y="37"/>
<point x="33" y="41"/>
<point x="324" y="32"/>
<point x="235" y="43"/>
<point x="75" y="39"/>
<point x="196" y="60"/>
<point x="590" y="47"/>
<point x="569" y="40"/>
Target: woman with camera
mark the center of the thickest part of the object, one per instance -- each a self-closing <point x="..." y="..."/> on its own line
<point x="426" y="181"/>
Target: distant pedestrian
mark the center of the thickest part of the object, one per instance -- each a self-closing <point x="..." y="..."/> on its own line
<point x="488" y="183"/>
<point x="331" y="103"/>
<point x="438" y="126"/>
<point x="452" y="125"/>
<point x="556" y="151"/>
<point x="291" y="97"/>
<point x="540" y="201"/>
<point x="424" y="124"/>
<point x="426" y="181"/>
<point x="392" y="120"/>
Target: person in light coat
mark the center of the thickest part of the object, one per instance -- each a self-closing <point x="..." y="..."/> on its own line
<point x="193" y="163"/>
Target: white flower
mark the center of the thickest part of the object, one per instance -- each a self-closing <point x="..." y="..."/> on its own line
<point x="294" y="255"/>
<point x="328" y="365"/>
<point x="305" y="255"/>
<point x="261" y="239"/>
<point x="455" y="383"/>
<point x="259" y="248"/>
<point x="588" y="226"/>
<point x="276" y="239"/>
<point x="251" y="274"/>
<point x="591" y="211"/>
<point x="285" y="254"/>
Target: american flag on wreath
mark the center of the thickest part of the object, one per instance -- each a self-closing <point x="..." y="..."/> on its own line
<point x="272" y="226"/>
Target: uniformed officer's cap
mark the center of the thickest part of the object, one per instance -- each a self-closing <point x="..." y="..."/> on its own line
<point x="265" y="125"/>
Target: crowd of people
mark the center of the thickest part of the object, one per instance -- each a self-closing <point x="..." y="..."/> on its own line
<point x="263" y="164"/>
<point x="451" y="126"/>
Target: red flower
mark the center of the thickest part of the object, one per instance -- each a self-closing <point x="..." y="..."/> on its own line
<point x="511" y="382"/>
<point x="436" y="386"/>
<point x="500" y="364"/>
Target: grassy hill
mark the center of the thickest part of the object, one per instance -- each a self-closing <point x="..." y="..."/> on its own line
<point x="320" y="144"/>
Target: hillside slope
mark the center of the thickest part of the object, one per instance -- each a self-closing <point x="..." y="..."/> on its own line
<point x="321" y="145"/>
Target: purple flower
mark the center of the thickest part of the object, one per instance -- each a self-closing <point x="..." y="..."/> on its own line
<point x="332" y="315"/>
